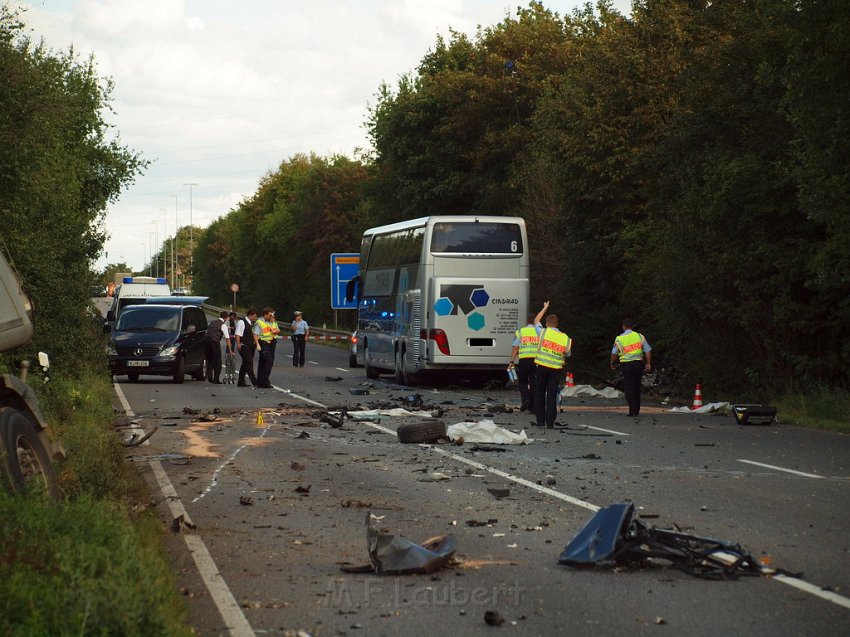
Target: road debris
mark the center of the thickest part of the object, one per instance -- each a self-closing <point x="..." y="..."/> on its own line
<point x="587" y="391"/>
<point x="245" y="501"/>
<point x="303" y="490"/>
<point x="499" y="493"/>
<point x="138" y="437"/>
<point x="394" y="555"/>
<point x="429" y="431"/>
<point x="493" y="618"/>
<point x="486" y="431"/>
<point x="435" y="476"/>
<point x="615" y="537"/>
<point x="710" y="408"/>
<point x="333" y="379"/>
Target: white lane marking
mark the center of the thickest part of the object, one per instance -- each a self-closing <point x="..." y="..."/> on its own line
<point x="313" y="362"/>
<point x="226" y="462"/>
<point x="608" y="431"/>
<point x="306" y="400"/>
<point x="235" y="620"/>
<point x="123" y="400"/>
<point x="770" y="466"/>
<point x="817" y="591"/>
<point x="790" y="581"/>
<point x="341" y="369"/>
<point x="502" y="474"/>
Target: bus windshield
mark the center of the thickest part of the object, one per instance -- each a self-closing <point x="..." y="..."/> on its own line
<point x="476" y="238"/>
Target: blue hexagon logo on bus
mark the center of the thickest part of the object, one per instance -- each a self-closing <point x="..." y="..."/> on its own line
<point x="443" y="306"/>
<point x="479" y="297"/>
<point x="475" y="321"/>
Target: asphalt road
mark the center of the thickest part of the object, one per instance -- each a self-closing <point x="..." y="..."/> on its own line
<point x="261" y="558"/>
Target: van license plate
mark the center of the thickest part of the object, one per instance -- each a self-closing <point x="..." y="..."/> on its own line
<point x="137" y="363"/>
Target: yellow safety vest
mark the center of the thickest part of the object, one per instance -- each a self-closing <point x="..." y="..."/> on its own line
<point x="630" y="347"/>
<point x="553" y="348"/>
<point x="265" y="330"/>
<point x="528" y="342"/>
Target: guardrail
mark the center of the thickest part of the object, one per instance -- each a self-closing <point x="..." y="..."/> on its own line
<point x="316" y="333"/>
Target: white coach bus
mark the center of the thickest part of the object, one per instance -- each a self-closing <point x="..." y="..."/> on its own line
<point x="441" y="293"/>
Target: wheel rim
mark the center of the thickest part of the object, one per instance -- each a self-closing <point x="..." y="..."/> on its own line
<point x="28" y="460"/>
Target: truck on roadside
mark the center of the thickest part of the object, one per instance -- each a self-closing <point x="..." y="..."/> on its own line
<point x="27" y="451"/>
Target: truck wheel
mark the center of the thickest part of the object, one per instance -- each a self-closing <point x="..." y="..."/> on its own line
<point x="418" y="432"/>
<point x="24" y="461"/>
<point x="180" y="372"/>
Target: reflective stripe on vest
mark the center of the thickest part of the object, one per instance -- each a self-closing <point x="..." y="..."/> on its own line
<point x="528" y="342"/>
<point x="553" y="349"/>
<point x="630" y="347"/>
<point x="265" y="330"/>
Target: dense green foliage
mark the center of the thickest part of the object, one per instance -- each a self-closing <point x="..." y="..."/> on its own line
<point x="686" y="165"/>
<point x="276" y="245"/>
<point x="84" y="565"/>
<point x="58" y="171"/>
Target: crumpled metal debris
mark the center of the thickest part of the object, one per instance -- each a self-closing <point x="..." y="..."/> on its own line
<point x="613" y="536"/>
<point x="394" y="555"/>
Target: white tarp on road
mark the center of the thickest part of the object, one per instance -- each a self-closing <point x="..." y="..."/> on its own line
<point x="710" y="408"/>
<point x="398" y="412"/>
<point x="587" y="390"/>
<point x="486" y="431"/>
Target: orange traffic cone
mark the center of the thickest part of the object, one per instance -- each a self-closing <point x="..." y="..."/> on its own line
<point x="697" y="398"/>
<point x="571" y="381"/>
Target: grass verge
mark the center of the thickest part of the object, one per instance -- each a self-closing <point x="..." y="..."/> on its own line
<point x="822" y="408"/>
<point x="92" y="563"/>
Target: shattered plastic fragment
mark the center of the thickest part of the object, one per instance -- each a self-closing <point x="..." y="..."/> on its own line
<point x="393" y="554"/>
<point x="613" y="536"/>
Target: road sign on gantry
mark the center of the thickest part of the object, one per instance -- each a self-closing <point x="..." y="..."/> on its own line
<point x="344" y="267"/>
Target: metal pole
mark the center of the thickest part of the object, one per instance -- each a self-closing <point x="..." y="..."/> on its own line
<point x="191" y="236"/>
<point x="156" y="245"/>
<point x="165" y="244"/>
<point x="174" y="260"/>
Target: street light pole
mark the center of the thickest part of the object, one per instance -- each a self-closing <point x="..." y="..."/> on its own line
<point x="191" y="236"/>
<point x="175" y="261"/>
<point x="165" y="244"/>
<point x="156" y="245"/>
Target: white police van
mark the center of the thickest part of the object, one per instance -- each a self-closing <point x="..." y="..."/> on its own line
<point x="133" y="291"/>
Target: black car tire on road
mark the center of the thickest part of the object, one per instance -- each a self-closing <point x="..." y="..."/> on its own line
<point x="201" y="372"/>
<point x="23" y="459"/>
<point x="180" y="372"/>
<point x="419" y="432"/>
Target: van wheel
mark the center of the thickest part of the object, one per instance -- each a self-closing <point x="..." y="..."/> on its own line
<point x="421" y="432"/>
<point x="352" y="361"/>
<point x="24" y="462"/>
<point x="201" y="372"/>
<point x="133" y="377"/>
<point x="180" y="372"/>
<point x="371" y="372"/>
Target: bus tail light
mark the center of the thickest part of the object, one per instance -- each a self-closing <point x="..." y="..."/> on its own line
<point x="439" y="337"/>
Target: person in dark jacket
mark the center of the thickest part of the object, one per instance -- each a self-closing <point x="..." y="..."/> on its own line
<point x="216" y="331"/>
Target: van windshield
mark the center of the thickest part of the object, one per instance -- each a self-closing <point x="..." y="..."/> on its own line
<point x="149" y="319"/>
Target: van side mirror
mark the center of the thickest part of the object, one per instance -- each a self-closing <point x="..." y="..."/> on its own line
<point x="352" y="289"/>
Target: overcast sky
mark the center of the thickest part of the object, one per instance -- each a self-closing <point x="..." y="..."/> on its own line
<point x="219" y="92"/>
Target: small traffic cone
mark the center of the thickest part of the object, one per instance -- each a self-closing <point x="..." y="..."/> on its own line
<point x="697" y="398"/>
<point x="571" y="381"/>
<point x="260" y="421"/>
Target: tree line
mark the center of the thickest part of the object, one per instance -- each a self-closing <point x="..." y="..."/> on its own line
<point x="686" y="165"/>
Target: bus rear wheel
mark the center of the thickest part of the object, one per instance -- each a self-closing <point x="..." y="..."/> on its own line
<point x="401" y="376"/>
<point x="371" y="372"/>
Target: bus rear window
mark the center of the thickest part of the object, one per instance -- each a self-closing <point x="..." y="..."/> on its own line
<point x="477" y="238"/>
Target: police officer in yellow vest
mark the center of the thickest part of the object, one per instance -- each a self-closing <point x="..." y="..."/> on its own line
<point x="263" y="339"/>
<point x="631" y="348"/>
<point x="552" y="351"/>
<point x="522" y="358"/>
